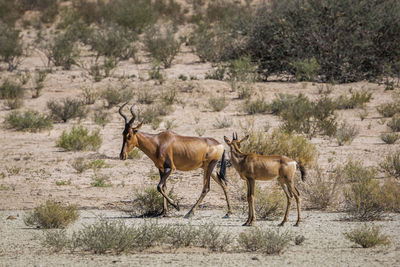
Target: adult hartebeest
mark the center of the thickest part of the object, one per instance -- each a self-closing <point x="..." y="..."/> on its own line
<point x="252" y="167"/>
<point x="170" y="151"/>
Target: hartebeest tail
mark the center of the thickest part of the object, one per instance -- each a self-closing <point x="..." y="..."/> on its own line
<point x="222" y="170"/>
<point x="303" y="172"/>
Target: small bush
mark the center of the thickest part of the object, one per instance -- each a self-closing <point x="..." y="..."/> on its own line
<point x="148" y="203"/>
<point x="389" y="138"/>
<point x="367" y="236"/>
<point x="391" y="164"/>
<point x="279" y="143"/>
<point x="217" y="73"/>
<point x="11" y="48"/>
<point x="80" y="165"/>
<point x="269" y="203"/>
<point x="391" y="195"/>
<point x="355" y="171"/>
<point x="162" y="46"/>
<point x="115" y="96"/>
<point x="30" y="121"/>
<point x="394" y="124"/>
<point x="242" y="70"/>
<point x="346" y="133"/>
<point x="100" y="181"/>
<point x="80" y="139"/>
<point x="222" y="123"/>
<point x="89" y="95"/>
<point x="217" y="103"/>
<point x="40" y="77"/>
<point x="255" y="107"/>
<point x="66" y="109"/>
<point x="356" y="100"/>
<point x="101" y="117"/>
<point x="62" y="50"/>
<point x="266" y="241"/>
<point x="183" y="235"/>
<point x="388" y="110"/>
<point x="145" y="97"/>
<point x="52" y="215"/>
<point x="306" y="70"/>
<point x="11" y="90"/>
<point x="245" y="90"/>
<point x="169" y="96"/>
<point x="209" y="236"/>
<point x="56" y="240"/>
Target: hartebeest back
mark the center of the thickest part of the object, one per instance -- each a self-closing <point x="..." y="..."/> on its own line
<point x="252" y="167"/>
<point x="170" y="151"/>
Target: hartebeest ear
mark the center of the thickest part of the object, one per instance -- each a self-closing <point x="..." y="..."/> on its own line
<point x="138" y="127"/>
<point x="244" y="138"/>
<point x="227" y="140"/>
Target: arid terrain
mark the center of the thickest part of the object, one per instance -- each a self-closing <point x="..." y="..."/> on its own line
<point x="33" y="169"/>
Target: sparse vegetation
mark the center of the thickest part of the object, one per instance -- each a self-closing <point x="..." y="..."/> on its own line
<point x="115" y="96"/>
<point x="391" y="164"/>
<point x="52" y="215"/>
<point x="66" y="109"/>
<point x="147" y="203"/>
<point x="389" y="138"/>
<point x="100" y="181"/>
<point x="388" y="110"/>
<point x="255" y="106"/>
<point x="266" y="241"/>
<point x="357" y="100"/>
<point x="217" y="103"/>
<point x="11" y="48"/>
<point x="346" y="133"/>
<point x="367" y="236"/>
<point x="394" y="123"/>
<point x="222" y="123"/>
<point x="30" y="121"/>
<point x="80" y="139"/>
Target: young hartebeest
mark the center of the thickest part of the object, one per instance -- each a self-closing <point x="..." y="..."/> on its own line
<point x="170" y="151"/>
<point x="252" y="167"/>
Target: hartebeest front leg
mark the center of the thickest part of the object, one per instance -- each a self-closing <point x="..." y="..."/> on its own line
<point x="250" y="200"/>
<point x="225" y="189"/>
<point x="206" y="186"/>
<point x="161" y="186"/>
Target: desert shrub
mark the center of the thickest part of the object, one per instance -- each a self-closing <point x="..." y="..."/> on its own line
<point x="269" y="203"/>
<point x="100" y="181"/>
<point x="388" y="110"/>
<point x="218" y="103"/>
<point x="62" y="50"/>
<point x="255" y="106"/>
<point x="11" y="48"/>
<point x="363" y="199"/>
<point x="283" y="32"/>
<point x="145" y="97"/>
<point x="389" y="138"/>
<point x="80" y="139"/>
<point x="394" y="123"/>
<point x="52" y="215"/>
<point x="245" y="90"/>
<point x="346" y="133"/>
<point x="101" y="117"/>
<point x="183" y="235"/>
<point x="217" y="73"/>
<point x="209" y="236"/>
<point x="48" y="8"/>
<point x="66" y="109"/>
<point x="355" y="171"/>
<point x="11" y="90"/>
<point x="357" y="100"/>
<point x="299" y="239"/>
<point x="162" y="45"/>
<point x="81" y="165"/>
<point x="147" y="203"/>
<point x="56" y="240"/>
<point x="222" y="123"/>
<point x="30" y="121"/>
<point x="89" y="95"/>
<point x="305" y="69"/>
<point x="266" y="241"/>
<point x="391" y="195"/>
<point x="152" y="114"/>
<point x="304" y="116"/>
<point x="112" y="41"/>
<point x="367" y="236"/>
<point x="391" y="164"/>
<point x="9" y="12"/>
<point x="135" y="154"/>
<point x="279" y="143"/>
<point x="242" y="70"/>
<point x="40" y="77"/>
<point x="320" y="189"/>
<point x="169" y="96"/>
<point x="115" y="96"/>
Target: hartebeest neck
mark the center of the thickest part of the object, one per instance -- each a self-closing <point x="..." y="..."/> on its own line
<point x="148" y="144"/>
<point x="237" y="158"/>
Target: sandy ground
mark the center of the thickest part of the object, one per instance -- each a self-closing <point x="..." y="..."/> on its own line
<point x="31" y="165"/>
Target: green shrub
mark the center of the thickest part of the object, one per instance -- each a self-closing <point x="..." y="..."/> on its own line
<point x="112" y="41"/>
<point x="389" y="138"/>
<point x="147" y="203"/>
<point x="255" y="106"/>
<point x="217" y="73"/>
<point x="391" y="164"/>
<point x="388" y="110"/>
<point x="145" y="97"/>
<point x="101" y="117"/>
<point x="66" y="109"/>
<point x="100" y="181"/>
<point x="52" y="215"/>
<point x="11" y="48"/>
<point x="266" y="241"/>
<point x="346" y="133"/>
<point x="56" y="240"/>
<point x="80" y="165"/>
<point x="209" y="236"/>
<point x="305" y="69"/>
<point x="245" y="90"/>
<point x="394" y="123"/>
<point x="355" y="171"/>
<point x="391" y="195"/>
<point x="242" y="70"/>
<point x="357" y="100"/>
<point x="62" y="50"/>
<point x="11" y="90"/>
<point x="30" y="121"/>
<point x="40" y="77"/>
<point x="279" y="143"/>
<point x="367" y="236"/>
<point x="282" y="32"/>
<point x="48" y="8"/>
<point x="115" y="96"/>
<point x="80" y="139"/>
<point x="269" y="203"/>
<point x="169" y="96"/>
<point x="162" y="45"/>
<point x="218" y="103"/>
<point x="222" y="123"/>
<point x="9" y="12"/>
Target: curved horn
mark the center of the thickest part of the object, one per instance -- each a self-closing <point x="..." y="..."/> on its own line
<point x="233" y="136"/>
<point x="120" y="112"/>
<point x="133" y="115"/>
<point x="236" y="136"/>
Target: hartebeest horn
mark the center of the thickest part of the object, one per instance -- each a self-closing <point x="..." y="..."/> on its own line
<point x="133" y="115"/>
<point x="120" y="112"/>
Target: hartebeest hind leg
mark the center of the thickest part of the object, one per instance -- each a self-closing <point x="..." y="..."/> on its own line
<point x="225" y="189"/>
<point x="293" y="190"/>
<point x="288" y="198"/>
<point x="206" y="186"/>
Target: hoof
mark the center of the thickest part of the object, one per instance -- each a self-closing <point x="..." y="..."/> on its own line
<point x="228" y="215"/>
<point x="177" y="207"/>
<point x="246" y="224"/>
<point x="297" y="224"/>
<point x="188" y="215"/>
<point x="281" y="224"/>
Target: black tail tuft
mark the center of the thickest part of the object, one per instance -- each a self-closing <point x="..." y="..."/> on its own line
<point x="222" y="170"/>
<point x="303" y="172"/>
